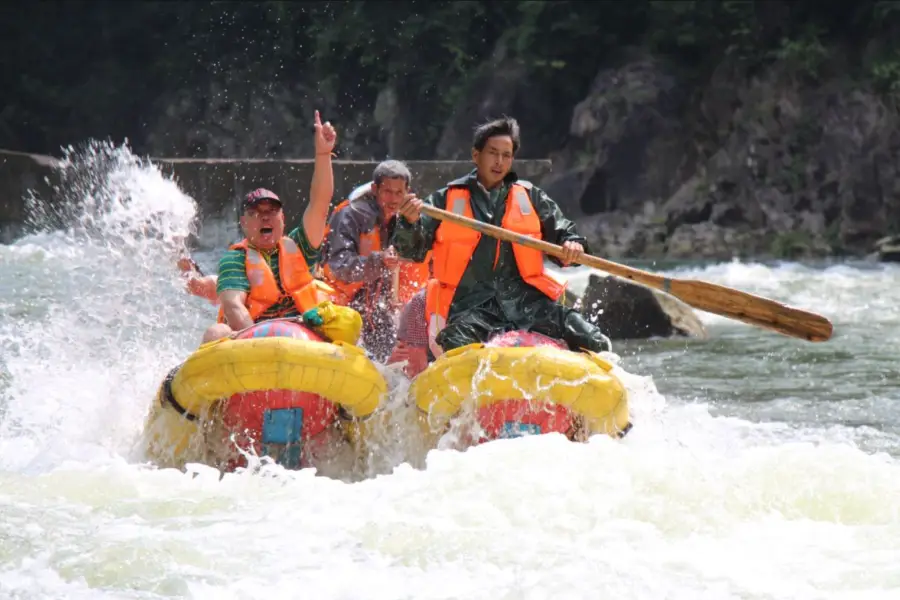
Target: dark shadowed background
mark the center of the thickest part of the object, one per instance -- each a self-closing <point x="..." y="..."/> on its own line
<point x="676" y="128"/>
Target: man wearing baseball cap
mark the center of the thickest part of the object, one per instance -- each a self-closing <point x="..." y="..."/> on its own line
<point x="277" y="279"/>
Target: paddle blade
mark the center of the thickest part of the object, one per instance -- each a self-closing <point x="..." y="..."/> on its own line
<point x="751" y="309"/>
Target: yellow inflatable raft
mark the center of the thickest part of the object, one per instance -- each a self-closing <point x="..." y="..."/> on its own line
<point x="277" y="385"/>
<point x="517" y="389"/>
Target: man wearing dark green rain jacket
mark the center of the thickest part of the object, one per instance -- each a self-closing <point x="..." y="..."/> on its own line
<point x="481" y="286"/>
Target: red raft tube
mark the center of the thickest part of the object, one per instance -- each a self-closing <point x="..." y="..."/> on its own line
<point x="514" y="417"/>
<point x="284" y="424"/>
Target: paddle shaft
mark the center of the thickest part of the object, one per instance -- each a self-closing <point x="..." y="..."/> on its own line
<point x="649" y="279"/>
<point x="709" y="297"/>
<point x="395" y="284"/>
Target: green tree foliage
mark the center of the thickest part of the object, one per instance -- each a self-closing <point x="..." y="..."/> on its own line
<point x="81" y="69"/>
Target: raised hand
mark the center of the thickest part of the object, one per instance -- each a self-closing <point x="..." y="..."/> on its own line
<point x="325" y="136"/>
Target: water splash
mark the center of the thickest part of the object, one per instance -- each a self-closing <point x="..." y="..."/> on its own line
<point x="105" y="307"/>
<point x="108" y="196"/>
<point x="688" y="505"/>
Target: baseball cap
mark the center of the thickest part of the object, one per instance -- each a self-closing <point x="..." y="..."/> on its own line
<point x="258" y="195"/>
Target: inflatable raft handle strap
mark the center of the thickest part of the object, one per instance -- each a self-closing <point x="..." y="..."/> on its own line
<point x="349" y="347"/>
<point x="599" y="360"/>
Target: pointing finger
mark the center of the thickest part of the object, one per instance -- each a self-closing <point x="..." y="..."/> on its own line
<point x="318" y="119"/>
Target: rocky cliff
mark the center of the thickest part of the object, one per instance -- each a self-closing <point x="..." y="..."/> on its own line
<point x="762" y="166"/>
<point x="766" y="166"/>
<point x="676" y="129"/>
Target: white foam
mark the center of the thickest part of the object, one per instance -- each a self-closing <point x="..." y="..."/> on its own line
<point x="690" y="505"/>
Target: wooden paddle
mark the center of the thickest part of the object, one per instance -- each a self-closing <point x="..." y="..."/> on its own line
<point x="709" y="297"/>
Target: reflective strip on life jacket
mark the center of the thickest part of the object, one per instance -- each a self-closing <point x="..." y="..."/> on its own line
<point x="434" y="317"/>
<point x="522" y="218"/>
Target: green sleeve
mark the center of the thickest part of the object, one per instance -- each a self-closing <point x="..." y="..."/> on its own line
<point x="232" y="272"/>
<point x="311" y="254"/>
<point x="413" y="240"/>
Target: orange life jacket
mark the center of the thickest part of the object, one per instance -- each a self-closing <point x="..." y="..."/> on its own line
<point x="296" y="280"/>
<point x="412" y="276"/>
<point x="454" y="245"/>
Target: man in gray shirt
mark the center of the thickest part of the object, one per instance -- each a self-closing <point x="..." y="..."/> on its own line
<point x="358" y="262"/>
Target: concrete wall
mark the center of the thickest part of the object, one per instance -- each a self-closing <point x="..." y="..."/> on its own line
<point x="218" y="184"/>
<point x="20" y="173"/>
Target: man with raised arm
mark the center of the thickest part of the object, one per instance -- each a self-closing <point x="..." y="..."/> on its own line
<point x="268" y="274"/>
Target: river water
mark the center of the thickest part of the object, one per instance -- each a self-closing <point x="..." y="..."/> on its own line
<point x="760" y="467"/>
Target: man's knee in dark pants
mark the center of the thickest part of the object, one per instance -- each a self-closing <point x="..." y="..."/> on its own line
<point x="460" y="332"/>
<point x="581" y="333"/>
<point x="569" y="325"/>
<point x="474" y="326"/>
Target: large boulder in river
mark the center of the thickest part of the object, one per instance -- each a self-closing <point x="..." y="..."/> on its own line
<point x="625" y="310"/>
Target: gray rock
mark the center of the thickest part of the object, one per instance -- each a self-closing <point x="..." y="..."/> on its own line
<point x="622" y="149"/>
<point x="887" y="249"/>
<point x="625" y="310"/>
<point x="768" y="166"/>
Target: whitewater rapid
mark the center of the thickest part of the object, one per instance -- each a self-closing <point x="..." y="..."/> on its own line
<point x="759" y="467"/>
